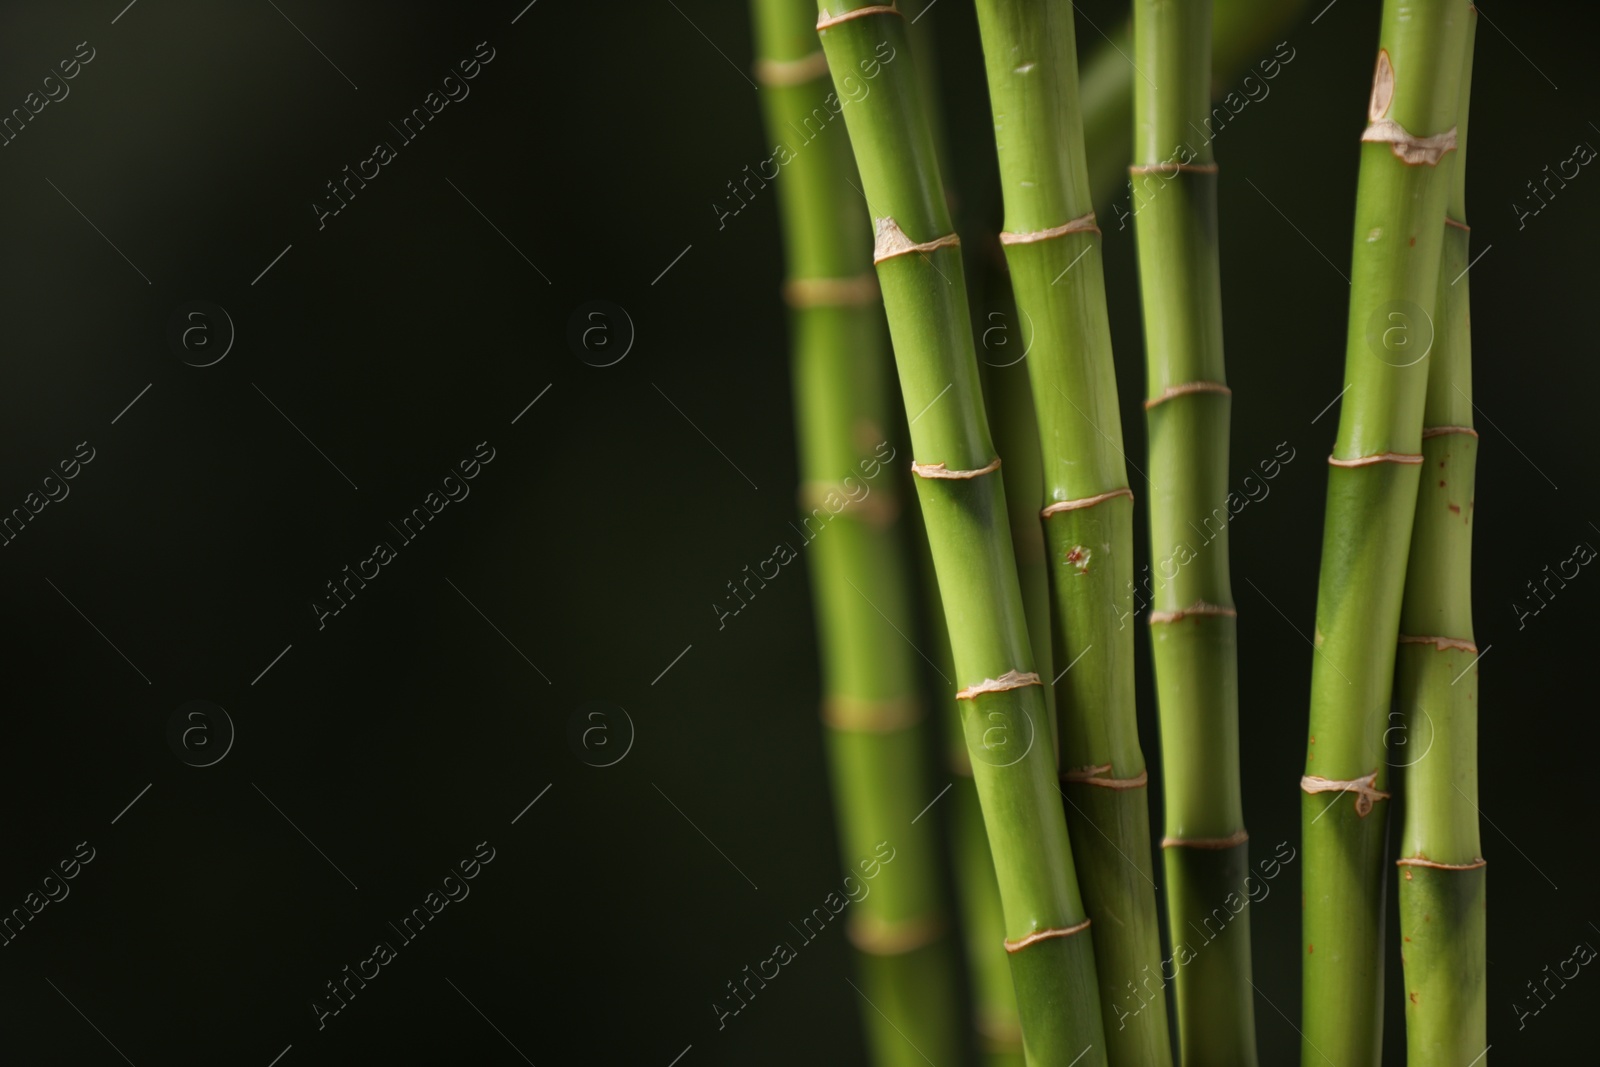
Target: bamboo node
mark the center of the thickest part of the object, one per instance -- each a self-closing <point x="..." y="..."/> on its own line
<point x="1044" y="935"/>
<point x="1101" y="776"/>
<point x="1381" y="457"/>
<point x="1441" y="431"/>
<point x="1008" y="680"/>
<point x="1419" y="861"/>
<point x="875" y="509"/>
<point x="871" y="716"/>
<point x="1186" y="388"/>
<point x="1408" y="148"/>
<point x="831" y="292"/>
<point x="939" y="470"/>
<point x="1233" y="840"/>
<point x="1439" y="643"/>
<point x="1448" y="221"/>
<point x="778" y="73"/>
<point x="1365" y="788"/>
<point x="891" y="240"/>
<point x="825" y="20"/>
<point x="879" y="937"/>
<point x="1173" y="167"/>
<point x="1198" y="608"/>
<point x="1081" y="224"/>
<point x="1085" y="502"/>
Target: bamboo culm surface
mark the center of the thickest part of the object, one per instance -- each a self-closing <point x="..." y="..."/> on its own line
<point x="873" y="715"/>
<point x="1192" y="619"/>
<point x="1372" y="499"/>
<point x="1053" y="248"/>
<point x="963" y="503"/>
<point x="1441" y="866"/>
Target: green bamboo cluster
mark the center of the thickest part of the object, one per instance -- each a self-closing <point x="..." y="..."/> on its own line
<point x="1372" y="500"/>
<point x="1441" y="863"/>
<point x="873" y="715"/>
<point x="1053" y="248"/>
<point x="1192" y="619"/>
<point x="963" y="503"/>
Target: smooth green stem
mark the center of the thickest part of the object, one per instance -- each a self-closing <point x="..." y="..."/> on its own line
<point x="1442" y="919"/>
<point x="876" y="740"/>
<point x="1003" y="709"/>
<point x="1192" y="619"/>
<point x="1056" y="272"/>
<point x="1372" y="500"/>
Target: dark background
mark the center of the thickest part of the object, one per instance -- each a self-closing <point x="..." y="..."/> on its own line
<point x="415" y="725"/>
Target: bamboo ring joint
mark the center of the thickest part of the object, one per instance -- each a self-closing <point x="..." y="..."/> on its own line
<point x="854" y="291"/>
<point x="1173" y="168"/>
<point x="826" y="20"/>
<point x="1381" y="457"/>
<point x="1199" y="608"/>
<point x="1365" y="788"/>
<point x="939" y="470"/>
<point x="1439" y="643"/>
<point x="891" y="241"/>
<point x="1008" y="680"/>
<point x="881" y="938"/>
<point x="1186" y="388"/>
<point x="1044" y="935"/>
<point x="1081" y="224"/>
<point x="871" y="716"/>
<point x="1233" y="840"/>
<point x="1418" y="861"/>
<point x="1448" y="221"/>
<point x="1085" y="502"/>
<point x="1441" y="431"/>
<point x="1101" y="776"/>
<point x="779" y="73"/>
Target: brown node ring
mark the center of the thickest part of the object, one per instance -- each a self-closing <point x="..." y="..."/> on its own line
<point x="939" y="470"/>
<point x="1173" y="168"/>
<point x="1440" y="644"/>
<point x="1101" y="776"/>
<point x="1081" y="224"/>
<point x="1084" y="502"/>
<point x="1418" y="861"/>
<point x="880" y="938"/>
<point x="1233" y="840"/>
<point x="1184" y="389"/>
<point x="891" y="241"/>
<point x="1441" y="431"/>
<point x="825" y="20"/>
<point x="1448" y="221"/>
<point x="1008" y="680"/>
<point x="780" y="73"/>
<point x="1044" y="935"/>
<point x="1381" y="457"/>
<point x="871" y="716"/>
<point x="1365" y="788"/>
<point x="854" y="291"/>
<point x="1199" y="609"/>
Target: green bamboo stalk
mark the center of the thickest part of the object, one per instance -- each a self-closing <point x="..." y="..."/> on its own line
<point x="1052" y="246"/>
<point x="1192" y="618"/>
<point x="1372" y="500"/>
<point x="876" y="741"/>
<point x="920" y="271"/>
<point x="1441" y="866"/>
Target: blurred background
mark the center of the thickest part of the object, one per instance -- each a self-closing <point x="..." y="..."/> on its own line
<point x="356" y="359"/>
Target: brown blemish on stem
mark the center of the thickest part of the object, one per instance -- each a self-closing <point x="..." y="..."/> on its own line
<point x="1044" y="935"/>
<point x="1408" y="148"/>
<point x="939" y="470"/>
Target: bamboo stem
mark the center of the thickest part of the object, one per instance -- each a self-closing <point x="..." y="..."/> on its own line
<point x="920" y="271"/>
<point x="1053" y="249"/>
<point x="1372" y="500"/>
<point x="1192" y="621"/>
<point x="1441" y="866"/>
<point x="875" y="732"/>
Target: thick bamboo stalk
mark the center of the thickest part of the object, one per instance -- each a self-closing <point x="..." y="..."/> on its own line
<point x="1372" y="499"/>
<point x="963" y="503"/>
<point x="1192" y="618"/>
<point x="1053" y="248"/>
<point x="872" y="711"/>
<point x="1442" y="927"/>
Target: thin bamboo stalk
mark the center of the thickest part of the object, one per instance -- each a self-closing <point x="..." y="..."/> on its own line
<point x="1052" y="246"/>
<point x="1372" y="500"/>
<point x="872" y="711"/>
<point x="920" y="271"/>
<point x="1192" y="619"/>
<point x="1442" y="922"/>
